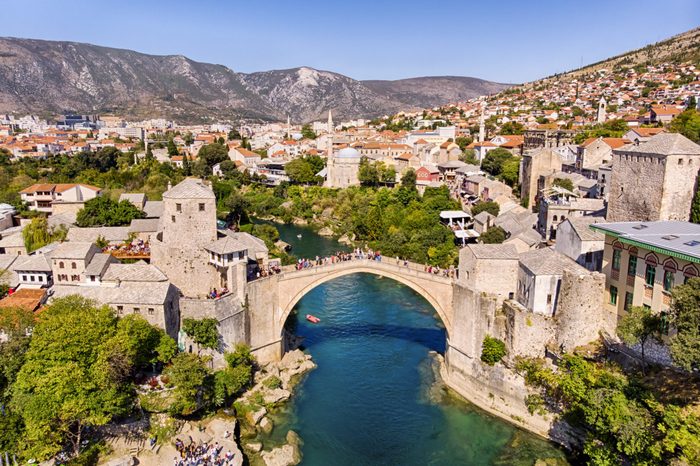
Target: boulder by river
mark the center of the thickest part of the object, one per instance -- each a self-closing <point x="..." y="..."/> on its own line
<point x="325" y="231"/>
<point x="286" y="455"/>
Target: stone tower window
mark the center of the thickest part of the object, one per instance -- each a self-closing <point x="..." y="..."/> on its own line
<point x="178" y="207"/>
<point x="61" y="265"/>
<point x="73" y="266"/>
<point x="680" y="161"/>
<point x="201" y="207"/>
<point x="172" y="218"/>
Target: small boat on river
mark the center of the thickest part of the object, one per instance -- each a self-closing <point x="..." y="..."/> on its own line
<point x="299" y="235"/>
<point x="312" y="318"/>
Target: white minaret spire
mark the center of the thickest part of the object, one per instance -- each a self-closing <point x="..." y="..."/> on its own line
<point x="289" y="128"/>
<point x="482" y="129"/>
<point x="330" y="135"/>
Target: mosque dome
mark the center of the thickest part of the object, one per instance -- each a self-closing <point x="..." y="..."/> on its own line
<point x="347" y="153"/>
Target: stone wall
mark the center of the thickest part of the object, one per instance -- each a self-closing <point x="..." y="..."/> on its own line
<point x="496" y="389"/>
<point x="636" y="188"/>
<point x="526" y="333"/>
<point x="679" y="187"/>
<point x="580" y="314"/>
<point x="187" y="267"/>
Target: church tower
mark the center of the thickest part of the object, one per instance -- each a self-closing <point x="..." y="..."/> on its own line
<point x="601" y="115"/>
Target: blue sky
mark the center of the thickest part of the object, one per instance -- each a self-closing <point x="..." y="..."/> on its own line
<point x="507" y="41"/>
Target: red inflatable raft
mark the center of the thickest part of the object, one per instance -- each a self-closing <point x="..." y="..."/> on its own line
<point x="312" y="319"/>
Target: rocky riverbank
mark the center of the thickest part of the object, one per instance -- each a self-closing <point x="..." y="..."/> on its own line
<point x="273" y="386"/>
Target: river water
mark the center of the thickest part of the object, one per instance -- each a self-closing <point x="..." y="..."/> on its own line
<point x="374" y="399"/>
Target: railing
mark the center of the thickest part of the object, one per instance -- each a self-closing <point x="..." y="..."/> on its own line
<point x="387" y="264"/>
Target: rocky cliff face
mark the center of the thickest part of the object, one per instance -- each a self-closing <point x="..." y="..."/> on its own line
<point x="46" y="77"/>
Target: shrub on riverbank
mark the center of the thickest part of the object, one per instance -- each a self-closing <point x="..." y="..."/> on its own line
<point x="492" y="350"/>
<point x="627" y="419"/>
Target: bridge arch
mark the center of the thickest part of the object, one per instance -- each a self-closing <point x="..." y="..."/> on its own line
<point x="437" y="291"/>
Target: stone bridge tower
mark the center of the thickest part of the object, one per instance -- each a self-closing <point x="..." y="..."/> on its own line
<point x="187" y="225"/>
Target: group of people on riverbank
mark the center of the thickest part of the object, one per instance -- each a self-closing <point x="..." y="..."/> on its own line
<point x="201" y="454"/>
<point x="356" y="254"/>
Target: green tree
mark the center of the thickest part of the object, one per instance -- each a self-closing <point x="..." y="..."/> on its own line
<point x="511" y="128"/>
<point x="191" y="378"/>
<point x="688" y="124"/>
<point x="172" y="148"/>
<point x="233" y="135"/>
<point x="492" y="350"/>
<point x="510" y="172"/>
<point x="494" y="235"/>
<point x="463" y="141"/>
<point x="685" y="316"/>
<point x="103" y="211"/>
<point x="237" y="376"/>
<point x="469" y="156"/>
<point x="637" y="326"/>
<point x="303" y="170"/>
<point x="494" y="160"/>
<point x="695" y="207"/>
<point x="203" y="332"/>
<point x="307" y="132"/>
<point x="63" y="387"/>
<point x="565" y="183"/>
<point x="38" y="234"/>
<point x="212" y="154"/>
<point x="237" y="206"/>
<point x="491" y="207"/>
<point x="368" y="173"/>
<point x="408" y="179"/>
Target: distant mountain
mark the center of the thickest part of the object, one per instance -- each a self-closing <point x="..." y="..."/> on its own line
<point x="48" y="77"/>
<point x="432" y="91"/>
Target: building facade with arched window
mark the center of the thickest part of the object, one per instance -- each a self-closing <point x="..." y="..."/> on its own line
<point x="644" y="261"/>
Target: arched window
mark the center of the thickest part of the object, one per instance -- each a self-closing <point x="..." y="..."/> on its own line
<point x="670" y="268"/>
<point x="61" y="265"/>
<point x="689" y="272"/>
<point x="554" y="218"/>
<point x="73" y="266"/>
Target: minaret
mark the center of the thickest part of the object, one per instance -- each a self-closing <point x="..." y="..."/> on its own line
<point x="329" y="152"/>
<point x="482" y="129"/>
<point x="601" y="116"/>
<point x="289" y="128"/>
<point x="330" y="134"/>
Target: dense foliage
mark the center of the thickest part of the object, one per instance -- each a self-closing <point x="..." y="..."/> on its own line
<point x="492" y="350"/>
<point x="688" y="124"/>
<point x="494" y="235"/>
<point x="103" y="211"/>
<point x="624" y="420"/>
<point x="685" y="317"/>
<point x="303" y="170"/>
<point x="487" y="206"/>
<point x="203" y="332"/>
<point x="397" y="222"/>
<point x="375" y="173"/>
<point x="75" y="372"/>
<point x="502" y="164"/>
<point x="38" y="234"/>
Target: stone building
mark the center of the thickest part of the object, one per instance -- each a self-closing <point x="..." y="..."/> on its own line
<point x="576" y="240"/>
<point x="343" y="169"/>
<point x="643" y="261"/>
<point x="187" y="226"/>
<point x="558" y="204"/>
<point x="534" y="166"/>
<point x="654" y="180"/>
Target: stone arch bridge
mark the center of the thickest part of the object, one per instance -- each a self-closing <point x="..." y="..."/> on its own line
<point x="272" y="299"/>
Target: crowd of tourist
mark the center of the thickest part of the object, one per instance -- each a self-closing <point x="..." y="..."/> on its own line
<point x="356" y="254"/>
<point x="137" y="247"/>
<point x="450" y="272"/>
<point x="215" y="294"/>
<point x="201" y="454"/>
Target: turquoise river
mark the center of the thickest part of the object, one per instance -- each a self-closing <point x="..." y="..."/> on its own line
<point x="374" y="398"/>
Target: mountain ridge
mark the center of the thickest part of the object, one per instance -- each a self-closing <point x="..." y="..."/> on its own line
<point x="39" y="76"/>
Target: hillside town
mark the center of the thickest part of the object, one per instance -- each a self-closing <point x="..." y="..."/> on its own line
<point x="567" y="203"/>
